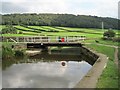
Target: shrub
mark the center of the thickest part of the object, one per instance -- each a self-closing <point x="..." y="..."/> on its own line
<point x="109" y="34"/>
<point x="9" y="29"/>
<point x="20" y="32"/>
<point x="19" y="54"/>
<point x="7" y="53"/>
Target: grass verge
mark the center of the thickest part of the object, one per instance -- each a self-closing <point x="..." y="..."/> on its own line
<point x="109" y="77"/>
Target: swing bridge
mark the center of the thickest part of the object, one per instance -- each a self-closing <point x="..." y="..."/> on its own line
<point x="38" y="41"/>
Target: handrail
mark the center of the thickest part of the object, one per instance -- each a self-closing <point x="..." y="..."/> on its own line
<point x="48" y="39"/>
<point x="42" y="36"/>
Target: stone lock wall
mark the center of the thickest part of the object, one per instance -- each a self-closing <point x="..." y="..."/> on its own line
<point x="19" y="46"/>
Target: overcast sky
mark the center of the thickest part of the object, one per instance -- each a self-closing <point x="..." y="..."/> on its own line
<point x="104" y="8"/>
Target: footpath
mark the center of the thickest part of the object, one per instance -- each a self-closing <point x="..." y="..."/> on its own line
<point x="90" y="80"/>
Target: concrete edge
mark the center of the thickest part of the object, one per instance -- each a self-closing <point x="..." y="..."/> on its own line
<point x="91" y="78"/>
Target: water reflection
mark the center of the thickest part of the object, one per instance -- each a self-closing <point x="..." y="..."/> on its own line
<point x="60" y="69"/>
<point x="63" y="63"/>
<point x="44" y="74"/>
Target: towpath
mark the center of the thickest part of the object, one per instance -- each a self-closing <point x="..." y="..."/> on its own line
<point x="94" y="74"/>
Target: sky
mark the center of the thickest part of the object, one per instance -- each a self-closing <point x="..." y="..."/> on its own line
<point x="102" y="8"/>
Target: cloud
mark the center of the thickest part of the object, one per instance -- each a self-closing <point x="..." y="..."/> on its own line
<point x="95" y="7"/>
<point x="105" y="8"/>
<point x="36" y="7"/>
<point x="8" y="7"/>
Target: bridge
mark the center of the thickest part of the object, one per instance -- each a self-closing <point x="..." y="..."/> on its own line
<point x="38" y="41"/>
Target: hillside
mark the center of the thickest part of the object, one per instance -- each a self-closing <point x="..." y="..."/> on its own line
<point x="64" y="20"/>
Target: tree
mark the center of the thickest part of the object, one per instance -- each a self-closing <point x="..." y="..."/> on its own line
<point x="9" y="29"/>
<point x="68" y="20"/>
<point x="109" y="34"/>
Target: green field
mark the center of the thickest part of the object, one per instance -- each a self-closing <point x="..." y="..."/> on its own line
<point x="48" y="30"/>
<point x="91" y="34"/>
<point x="63" y="31"/>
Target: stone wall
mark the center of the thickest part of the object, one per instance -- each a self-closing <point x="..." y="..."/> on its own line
<point x="19" y="46"/>
<point x="88" y="56"/>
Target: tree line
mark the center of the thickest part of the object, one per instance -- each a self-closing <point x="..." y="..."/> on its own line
<point x="65" y="20"/>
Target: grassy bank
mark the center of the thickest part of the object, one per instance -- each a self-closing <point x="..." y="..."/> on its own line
<point x="109" y="77"/>
<point x="9" y="55"/>
<point x="101" y="41"/>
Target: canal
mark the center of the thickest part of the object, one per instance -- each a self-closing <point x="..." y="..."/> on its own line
<point x="62" y="68"/>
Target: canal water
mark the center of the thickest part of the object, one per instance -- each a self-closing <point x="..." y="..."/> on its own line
<point x="55" y="70"/>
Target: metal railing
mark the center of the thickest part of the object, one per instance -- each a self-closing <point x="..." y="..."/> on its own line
<point x="44" y="39"/>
